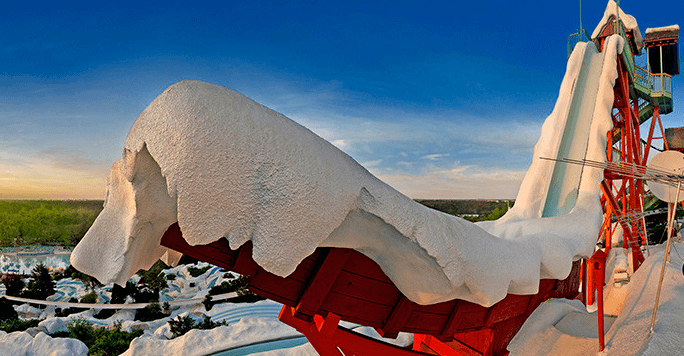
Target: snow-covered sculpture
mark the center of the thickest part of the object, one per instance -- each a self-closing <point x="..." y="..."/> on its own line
<point x="222" y="165"/>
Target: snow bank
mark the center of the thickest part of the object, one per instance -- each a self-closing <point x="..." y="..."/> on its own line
<point x="537" y="335"/>
<point x="21" y="343"/>
<point x="629" y="21"/>
<point x="204" y="342"/>
<point x="630" y="333"/>
<point x="545" y="331"/>
<point x="224" y="166"/>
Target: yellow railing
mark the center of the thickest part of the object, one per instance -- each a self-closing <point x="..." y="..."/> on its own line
<point x="657" y="83"/>
<point x="642" y="76"/>
<point x="662" y="83"/>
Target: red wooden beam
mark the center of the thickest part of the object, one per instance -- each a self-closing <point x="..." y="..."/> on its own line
<point x="321" y="283"/>
<point x="217" y="253"/>
<point x="400" y="314"/>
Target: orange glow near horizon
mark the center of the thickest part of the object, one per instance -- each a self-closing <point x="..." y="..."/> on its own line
<point x="51" y="183"/>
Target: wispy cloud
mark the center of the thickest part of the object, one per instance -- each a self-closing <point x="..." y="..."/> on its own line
<point x="370" y="164"/>
<point x="474" y="183"/>
<point x="435" y="156"/>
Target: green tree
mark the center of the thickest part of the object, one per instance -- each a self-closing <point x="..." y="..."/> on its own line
<point x="40" y="284"/>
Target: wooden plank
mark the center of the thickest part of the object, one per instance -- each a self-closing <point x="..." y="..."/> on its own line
<point x="244" y="264"/>
<point x="479" y="340"/>
<point x="396" y="320"/>
<point x="443" y="308"/>
<point x="356" y="310"/>
<point x="364" y="266"/>
<point x="287" y="288"/>
<point x="454" y="320"/>
<point x="511" y="306"/>
<point x="274" y="297"/>
<point x="304" y="270"/>
<point x="366" y="288"/>
<point x="425" y="323"/>
<point x="322" y="282"/>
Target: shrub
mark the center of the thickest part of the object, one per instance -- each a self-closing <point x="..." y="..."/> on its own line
<point x="229" y="286"/>
<point x="181" y="326"/>
<point x="7" y="311"/>
<point x="247" y="297"/>
<point x="170" y="277"/>
<point x="184" y="324"/>
<point x="208" y="302"/>
<point x="12" y="325"/>
<point x="89" y="298"/>
<point x="151" y="282"/>
<point x="196" y="272"/>
<point x="152" y="311"/>
<point x="14" y="285"/>
<point x="143" y="294"/>
<point x="104" y="313"/>
<point x="100" y="342"/>
<point x="68" y="311"/>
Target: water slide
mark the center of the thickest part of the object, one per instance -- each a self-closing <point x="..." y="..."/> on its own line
<point x="576" y="129"/>
<point x="565" y="179"/>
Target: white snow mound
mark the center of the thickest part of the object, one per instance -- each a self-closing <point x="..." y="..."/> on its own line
<point x="222" y="165"/>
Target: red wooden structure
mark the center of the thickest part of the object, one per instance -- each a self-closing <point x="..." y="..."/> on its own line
<point x="334" y="284"/>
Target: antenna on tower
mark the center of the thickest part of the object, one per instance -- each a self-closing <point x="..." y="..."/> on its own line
<point x="580" y="4"/>
<point x="580" y="36"/>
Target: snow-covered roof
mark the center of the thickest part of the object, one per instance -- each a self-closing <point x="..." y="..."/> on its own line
<point x="629" y="21"/>
<point x="662" y="29"/>
<point x="222" y="165"/>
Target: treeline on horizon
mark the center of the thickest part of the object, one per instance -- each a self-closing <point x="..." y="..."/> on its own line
<point x="471" y="209"/>
<point x="65" y="222"/>
<point x="46" y="222"/>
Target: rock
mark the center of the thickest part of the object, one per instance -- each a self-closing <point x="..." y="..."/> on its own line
<point x="36" y="330"/>
<point x="53" y="325"/>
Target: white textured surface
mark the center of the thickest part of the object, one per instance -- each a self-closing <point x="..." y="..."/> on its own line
<point x="205" y="342"/>
<point x="222" y="165"/>
<point x="628" y="20"/>
<point x="21" y="343"/>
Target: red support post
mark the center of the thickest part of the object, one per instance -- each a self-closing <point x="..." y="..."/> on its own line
<point x="598" y="263"/>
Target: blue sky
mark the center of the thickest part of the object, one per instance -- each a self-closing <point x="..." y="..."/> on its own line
<point x="439" y="99"/>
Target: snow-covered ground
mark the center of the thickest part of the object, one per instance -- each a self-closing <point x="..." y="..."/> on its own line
<point x="563" y="327"/>
<point x="557" y="327"/>
<point x="250" y="325"/>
